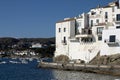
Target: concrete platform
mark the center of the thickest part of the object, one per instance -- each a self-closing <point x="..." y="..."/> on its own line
<point x="102" y="69"/>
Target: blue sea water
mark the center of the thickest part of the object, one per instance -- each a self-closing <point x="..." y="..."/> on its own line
<point x="29" y="71"/>
<point x="10" y="71"/>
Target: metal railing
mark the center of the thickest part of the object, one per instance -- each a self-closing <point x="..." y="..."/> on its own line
<point x="116" y="43"/>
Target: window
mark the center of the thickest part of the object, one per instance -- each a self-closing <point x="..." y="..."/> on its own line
<point x="97" y="21"/>
<point x="93" y="13"/>
<point x="118" y="27"/>
<point x="99" y="30"/>
<point x="113" y="9"/>
<point x="59" y="29"/>
<point x="64" y="40"/>
<point x="106" y="15"/>
<point x="99" y="38"/>
<point x="64" y="29"/>
<point x="78" y="24"/>
<point x="91" y="23"/>
<point x="106" y="20"/>
<point x="118" y="17"/>
<point x="112" y="38"/>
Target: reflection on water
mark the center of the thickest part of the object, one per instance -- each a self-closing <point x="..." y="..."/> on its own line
<point x="74" y="75"/>
<point x="29" y="71"/>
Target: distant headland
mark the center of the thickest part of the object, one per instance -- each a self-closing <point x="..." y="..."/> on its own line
<point x="27" y="47"/>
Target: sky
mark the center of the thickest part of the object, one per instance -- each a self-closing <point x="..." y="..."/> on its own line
<point x="37" y="18"/>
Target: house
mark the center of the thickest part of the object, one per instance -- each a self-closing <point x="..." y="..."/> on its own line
<point x="36" y="45"/>
<point x="88" y="34"/>
<point x="25" y="52"/>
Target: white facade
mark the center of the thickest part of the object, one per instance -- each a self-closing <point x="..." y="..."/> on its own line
<point x="85" y="36"/>
<point x="64" y="30"/>
<point x="36" y="45"/>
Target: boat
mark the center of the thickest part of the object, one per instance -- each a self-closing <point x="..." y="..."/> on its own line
<point x="2" y="62"/>
<point x="23" y="61"/>
<point x="14" y="62"/>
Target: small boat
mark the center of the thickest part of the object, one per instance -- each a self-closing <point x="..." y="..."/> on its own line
<point x="30" y="59"/>
<point x="2" y="62"/>
<point x="24" y="61"/>
<point x="14" y="62"/>
<point x="38" y="61"/>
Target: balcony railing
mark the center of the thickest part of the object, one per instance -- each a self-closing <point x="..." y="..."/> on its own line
<point x="116" y="43"/>
<point x="95" y="16"/>
<point x="86" y="31"/>
<point x="117" y="21"/>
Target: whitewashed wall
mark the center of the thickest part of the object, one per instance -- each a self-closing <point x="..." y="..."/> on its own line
<point x="62" y="48"/>
<point x="81" y="50"/>
<point x="77" y="50"/>
<point x="105" y="49"/>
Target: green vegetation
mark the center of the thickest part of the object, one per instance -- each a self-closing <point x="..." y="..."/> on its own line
<point x="8" y="46"/>
<point x="45" y="52"/>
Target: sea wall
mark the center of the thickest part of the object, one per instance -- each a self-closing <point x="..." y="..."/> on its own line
<point x="102" y="69"/>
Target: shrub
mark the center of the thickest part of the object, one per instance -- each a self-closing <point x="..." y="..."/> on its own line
<point x="61" y="58"/>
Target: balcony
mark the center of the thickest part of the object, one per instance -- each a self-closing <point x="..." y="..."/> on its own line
<point x="74" y="40"/>
<point x="85" y="33"/>
<point x="117" y="22"/>
<point x="112" y="44"/>
<point x="95" y="16"/>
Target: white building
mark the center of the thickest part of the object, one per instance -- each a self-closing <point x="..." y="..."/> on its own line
<point x="36" y="45"/>
<point x="97" y="31"/>
<point x="25" y="52"/>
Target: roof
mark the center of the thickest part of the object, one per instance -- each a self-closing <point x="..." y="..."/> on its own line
<point x="114" y="3"/>
<point x="71" y="19"/>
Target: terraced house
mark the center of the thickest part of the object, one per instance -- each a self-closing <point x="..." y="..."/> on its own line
<point x="88" y="34"/>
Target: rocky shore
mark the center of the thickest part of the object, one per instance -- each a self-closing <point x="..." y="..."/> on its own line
<point x="100" y="64"/>
<point x="106" y="60"/>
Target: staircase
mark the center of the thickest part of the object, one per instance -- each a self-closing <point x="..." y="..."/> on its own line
<point x="92" y="51"/>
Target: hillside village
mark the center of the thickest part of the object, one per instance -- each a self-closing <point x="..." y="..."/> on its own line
<point x="27" y="47"/>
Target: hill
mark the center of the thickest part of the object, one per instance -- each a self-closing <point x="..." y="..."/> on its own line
<point x="9" y="42"/>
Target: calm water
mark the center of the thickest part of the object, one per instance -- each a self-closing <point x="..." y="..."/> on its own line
<point x="10" y="71"/>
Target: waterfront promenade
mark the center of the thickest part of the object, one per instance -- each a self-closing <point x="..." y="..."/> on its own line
<point x="102" y="69"/>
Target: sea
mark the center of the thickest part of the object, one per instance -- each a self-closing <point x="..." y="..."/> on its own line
<point x="24" y="69"/>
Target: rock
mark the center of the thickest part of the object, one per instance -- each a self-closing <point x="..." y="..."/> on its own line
<point x="61" y="58"/>
<point x="106" y="60"/>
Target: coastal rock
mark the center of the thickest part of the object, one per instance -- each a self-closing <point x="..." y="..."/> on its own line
<point x="106" y="60"/>
<point x="61" y="58"/>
